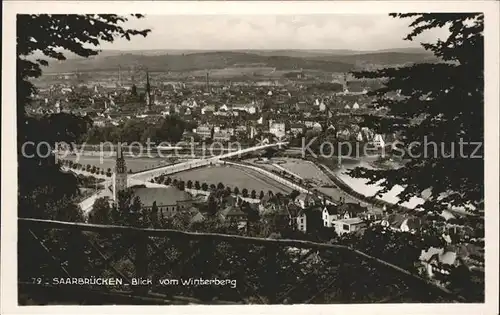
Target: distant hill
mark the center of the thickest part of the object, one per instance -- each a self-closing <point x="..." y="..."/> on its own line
<point x="194" y="61"/>
<point x="381" y="58"/>
<point x="185" y="60"/>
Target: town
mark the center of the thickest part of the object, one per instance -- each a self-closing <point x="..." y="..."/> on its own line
<point x="282" y="172"/>
<point x="289" y="195"/>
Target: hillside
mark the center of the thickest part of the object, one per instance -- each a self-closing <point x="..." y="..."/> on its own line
<point x="195" y="61"/>
<point x="286" y="60"/>
<point x="381" y="58"/>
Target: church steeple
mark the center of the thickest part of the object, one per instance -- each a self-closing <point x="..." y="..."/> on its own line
<point x="120" y="166"/>
<point x="148" y="92"/>
<point x="120" y="175"/>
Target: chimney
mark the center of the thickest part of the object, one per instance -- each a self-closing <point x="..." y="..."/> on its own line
<point x="208" y="83"/>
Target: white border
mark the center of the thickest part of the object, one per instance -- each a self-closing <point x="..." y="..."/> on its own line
<point x="8" y="302"/>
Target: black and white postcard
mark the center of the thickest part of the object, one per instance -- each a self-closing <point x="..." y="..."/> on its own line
<point x="270" y="156"/>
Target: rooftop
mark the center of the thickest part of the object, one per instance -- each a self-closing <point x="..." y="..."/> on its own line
<point x="163" y="196"/>
<point x="351" y="221"/>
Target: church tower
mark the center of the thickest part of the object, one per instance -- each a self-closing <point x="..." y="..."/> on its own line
<point x="120" y="174"/>
<point x="148" y="92"/>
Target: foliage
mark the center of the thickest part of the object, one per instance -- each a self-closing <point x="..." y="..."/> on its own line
<point x="446" y="110"/>
<point x="101" y="212"/>
<point x="51" y="35"/>
<point x="168" y="129"/>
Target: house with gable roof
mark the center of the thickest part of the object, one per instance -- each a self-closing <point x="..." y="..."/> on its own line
<point x="438" y="262"/>
<point x="234" y="214"/>
<point x="351" y="210"/>
<point x="402" y="223"/>
<point x="330" y="215"/>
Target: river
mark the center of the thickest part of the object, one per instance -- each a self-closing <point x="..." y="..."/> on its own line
<point x="360" y="184"/>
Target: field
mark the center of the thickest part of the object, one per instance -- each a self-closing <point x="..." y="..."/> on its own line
<point x="304" y="169"/>
<point x="233" y="177"/>
<point x="134" y="164"/>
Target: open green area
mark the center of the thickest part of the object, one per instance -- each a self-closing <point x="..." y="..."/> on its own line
<point x="233" y="177"/>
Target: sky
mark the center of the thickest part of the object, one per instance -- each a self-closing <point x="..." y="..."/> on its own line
<point x="224" y="32"/>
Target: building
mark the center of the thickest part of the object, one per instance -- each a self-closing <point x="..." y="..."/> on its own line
<point x="348" y="225"/>
<point x="402" y="223"/>
<point x="120" y="175"/>
<point x="233" y="214"/>
<point x="148" y="93"/>
<point x="222" y="135"/>
<point x="302" y="221"/>
<point x="378" y="141"/>
<point x="436" y="261"/>
<point x="330" y="215"/>
<point x="205" y="132"/>
<point x="351" y="210"/>
<point x="317" y="127"/>
<point x="249" y="108"/>
<point x="309" y="219"/>
<point x="322" y="106"/>
<point x="169" y="200"/>
<point x="297" y="129"/>
<point x="99" y="122"/>
<point x="208" y="109"/>
<point x="309" y="123"/>
<point x="58" y="107"/>
<point x="277" y="129"/>
<point x="359" y="137"/>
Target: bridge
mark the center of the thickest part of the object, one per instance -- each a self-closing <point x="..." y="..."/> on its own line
<point x="184" y="166"/>
<point x="142" y="178"/>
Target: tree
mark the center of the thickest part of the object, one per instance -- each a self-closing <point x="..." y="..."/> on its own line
<point x="135" y="217"/>
<point x="212" y="206"/>
<point x="220" y="186"/>
<point x="133" y="90"/>
<point x="189" y="184"/>
<point x="294" y="194"/>
<point x="447" y="111"/>
<point x="154" y="214"/>
<point x="253" y="194"/>
<point x="261" y="195"/>
<point x="174" y="181"/>
<point x="212" y="187"/>
<point x="244" y="192"/>
<point x="270" y="152"/>
<point x="204" y="186"/>
<point x="197" y="185"/>
<point x="79" y="34"/>
<point x="101" y="211"/>
<point x="168" y="181"/>
<point x="170" y="129"/>
<point x="236" y="191"/>
<point x="181" y="185"/>
<point x="161" y="178"/>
